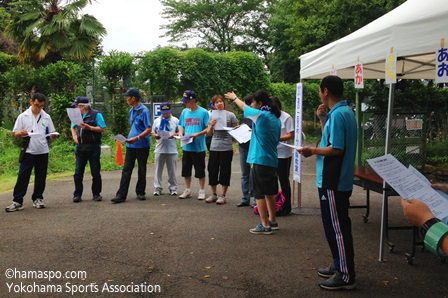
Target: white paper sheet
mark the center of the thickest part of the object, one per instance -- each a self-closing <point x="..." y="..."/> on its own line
<point x="75" y="115"/>
<point x="290" y="146"/>
<point x="163" y="134"/>
<point x="54" y="133"/>
<point x="220" y="117"/>
<point x="408" y="185"/>
<point x="423" y="178"/>
<point x="119" y="137"/>
<point x="35" y="135"/>
<point x="184" y="140"/>
<point x="241" y="133"/>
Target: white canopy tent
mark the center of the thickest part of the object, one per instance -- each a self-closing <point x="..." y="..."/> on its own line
<point x="414" y="30"/>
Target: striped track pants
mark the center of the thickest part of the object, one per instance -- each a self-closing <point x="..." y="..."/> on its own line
<point x="338" y="229"/>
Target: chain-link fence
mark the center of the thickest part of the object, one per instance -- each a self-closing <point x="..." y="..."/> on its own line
<point x="407" y="137"/>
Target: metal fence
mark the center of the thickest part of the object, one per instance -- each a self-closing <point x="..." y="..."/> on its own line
<point x="407" y="137"/>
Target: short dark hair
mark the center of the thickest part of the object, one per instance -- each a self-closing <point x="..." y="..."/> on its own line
<point x="334" y="85"/>
<point x="39" y="97"/>
<point x="248" y="99"/>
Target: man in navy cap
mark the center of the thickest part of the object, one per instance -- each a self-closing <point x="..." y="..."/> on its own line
<point x="137" y="147"/>
<point x="87" y="137"/>
<point x="164" y="130"/>
<point x="193" y="121"/>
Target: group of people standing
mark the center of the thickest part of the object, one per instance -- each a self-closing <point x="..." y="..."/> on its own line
<point x="264" y="161"/>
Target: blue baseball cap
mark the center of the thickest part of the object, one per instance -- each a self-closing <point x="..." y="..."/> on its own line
<point x="133" y="92"/>
<point x="165" y="108"/>
<point x="188" y="94"/>
<point x="80" y="100"/>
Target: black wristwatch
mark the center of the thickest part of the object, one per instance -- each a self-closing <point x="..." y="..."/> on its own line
<point x="428" y="224"/>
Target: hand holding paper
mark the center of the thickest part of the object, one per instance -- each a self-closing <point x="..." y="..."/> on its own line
<point x="220" y="117"/>
<point x="241" y="133"/>
<point x="75" y="115"/>
<point x="409" y="185"/>
<point x="164" y="135"/>
<point x="119" y="138"/>
<point x="184" y="140"/>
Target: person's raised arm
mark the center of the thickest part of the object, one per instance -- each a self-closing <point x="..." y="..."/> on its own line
<point x="232" y="96"/>
<point x="321" y="113"/>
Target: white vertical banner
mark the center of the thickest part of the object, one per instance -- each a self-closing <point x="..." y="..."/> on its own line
<point x="391" y="67"/>
<point x="442" y="63"/>
<point x="298" y="134"/>
<point x="359" y="75"/>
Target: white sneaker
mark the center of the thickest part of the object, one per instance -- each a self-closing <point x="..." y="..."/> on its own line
<point x="185" y="195"/>
<point x="38" y="204"/>
<point x="173" y="193"/>
<point x="221" y="200"/>
<point x="201" y="195"/>
<point x="14" y="207"/>
<point x="157" y="192"/>
<point x="211" y="199"/>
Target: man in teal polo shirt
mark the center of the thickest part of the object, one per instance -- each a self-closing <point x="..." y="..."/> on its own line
<point x="137" y="147"/>
<point x="193" y="121"/>
<point x="334" y="179"/>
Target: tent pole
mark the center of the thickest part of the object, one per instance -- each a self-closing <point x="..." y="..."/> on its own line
<point x="384" y="212"/>
<point x="359" y="124"/>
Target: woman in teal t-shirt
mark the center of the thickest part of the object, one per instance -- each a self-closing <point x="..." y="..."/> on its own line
<point x="263" y="156"/>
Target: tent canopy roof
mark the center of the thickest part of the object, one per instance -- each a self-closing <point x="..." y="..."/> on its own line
<point x="414" y="30"/>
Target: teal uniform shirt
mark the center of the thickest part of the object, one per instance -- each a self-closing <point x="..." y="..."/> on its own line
<point x="340" y="132"/>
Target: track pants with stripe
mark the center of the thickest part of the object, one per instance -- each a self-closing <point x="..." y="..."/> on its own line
<point x="338" y="229"/>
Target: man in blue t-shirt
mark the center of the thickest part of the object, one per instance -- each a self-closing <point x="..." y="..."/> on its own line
<point x="334" y="179"/>
<point x="87" y="137"/>
<point x="193" y="122"/>
<point x="137" y="147"/>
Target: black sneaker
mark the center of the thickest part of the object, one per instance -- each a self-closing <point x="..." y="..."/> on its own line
<point x="335" y="282"/>
<point x="118" y="200"/>
<point x="141" y="197"/>
<point x="274" y="226"/>
<point x="97" y="198"/>
<point x="77" y="199"/>
<point x="327" y="272"/>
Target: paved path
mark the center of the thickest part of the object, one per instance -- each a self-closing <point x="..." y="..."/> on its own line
<point x="194" y="249"/>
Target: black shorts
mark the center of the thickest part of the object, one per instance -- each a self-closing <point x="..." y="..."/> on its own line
<point x="196" y="159"/>
<point x="263" y="181"/>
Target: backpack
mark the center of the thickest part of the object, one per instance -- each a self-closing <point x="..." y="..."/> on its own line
<point x="279" y="201"/>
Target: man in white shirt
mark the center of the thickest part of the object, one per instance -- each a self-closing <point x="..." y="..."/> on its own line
<point x="37" y="126"/>
<point x="164" y="130"/>
<point x="285" y="157"/>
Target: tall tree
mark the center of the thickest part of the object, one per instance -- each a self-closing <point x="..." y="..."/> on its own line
<point x="300" y="26"/>
<point x="54" y="29"/>
<point x="6" y="43"/>
<point x="219" y="25"/>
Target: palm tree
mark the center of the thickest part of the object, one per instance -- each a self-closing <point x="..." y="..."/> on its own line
<point x="54" y="29"/>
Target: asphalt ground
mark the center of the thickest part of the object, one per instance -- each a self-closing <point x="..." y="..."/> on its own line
<point x="193" y="249"/>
